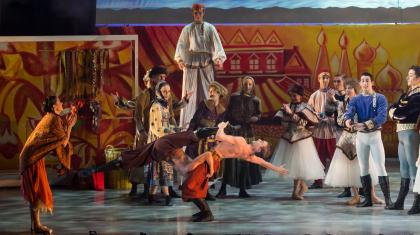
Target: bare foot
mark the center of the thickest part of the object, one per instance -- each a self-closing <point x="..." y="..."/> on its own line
<point x="376" y="200"/>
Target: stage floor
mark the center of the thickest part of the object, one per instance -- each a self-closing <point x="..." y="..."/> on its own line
<point x="269" y="211"/>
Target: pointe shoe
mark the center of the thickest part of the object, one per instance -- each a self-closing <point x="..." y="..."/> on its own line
<point x="377" y="201"/>
<point x="303" y="190"/>
<point x="297" y="197"/>
<point x="41" y="229"/>
<point x="353" y="201"/>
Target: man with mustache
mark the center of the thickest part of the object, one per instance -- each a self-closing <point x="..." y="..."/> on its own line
<point x="210" y="112"/>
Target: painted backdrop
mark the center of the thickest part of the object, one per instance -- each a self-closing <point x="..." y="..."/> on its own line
<point x="280" y="55"/>
<point x="275" y="55"/>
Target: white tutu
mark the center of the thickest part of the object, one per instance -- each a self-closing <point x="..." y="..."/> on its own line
<point x="346" y="173"/>
<point x="301" y="159"/>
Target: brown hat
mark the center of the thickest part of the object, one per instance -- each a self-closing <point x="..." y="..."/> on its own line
<point x="197" y="7"/>
<point x="219" y="88"/>
<point x="296" y="88"/>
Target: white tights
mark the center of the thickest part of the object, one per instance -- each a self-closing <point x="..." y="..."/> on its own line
<point x="370" y="143"/>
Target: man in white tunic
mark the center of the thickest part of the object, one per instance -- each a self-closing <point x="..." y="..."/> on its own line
<point x="198" y="49"/>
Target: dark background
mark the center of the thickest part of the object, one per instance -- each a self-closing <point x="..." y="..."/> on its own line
<point x="47" y="17"/>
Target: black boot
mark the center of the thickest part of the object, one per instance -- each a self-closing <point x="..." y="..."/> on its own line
<point x="168" y="201"/>
<point x="361" y="192"/>
<point x="205" y="214"/>
<point x="243" y="193"/>
<point x="111" y="165"/>
<point x="198" y="204"/>
<point x="133" y="190"/>
<point x="384" y="183"/>
<point x="152" y="199"/>
<point x="399" y="203"/>
<point x="210" y="197"/>
<point x="205" y="132"/>
<point x="172" y="193"/>
<point x="317" y="184"/>
<point x="415" y="209"/>
<point x="345" y="193"/>
<point x="222" y="191"/>
<point x="145" y="191"/>
<point x="367" y="188"/>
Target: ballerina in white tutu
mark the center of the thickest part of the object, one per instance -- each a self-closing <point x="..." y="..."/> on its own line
<point x="296" y="148"/>
<point x="344" y="170"/>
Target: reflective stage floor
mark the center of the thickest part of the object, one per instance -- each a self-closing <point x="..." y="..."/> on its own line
<point x="269" y="211"/>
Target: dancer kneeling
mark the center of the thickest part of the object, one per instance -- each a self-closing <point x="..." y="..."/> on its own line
<point x="344" y="169"/>
<point x="296" y="149"/>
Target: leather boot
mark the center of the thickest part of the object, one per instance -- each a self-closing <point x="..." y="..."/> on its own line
<point x="133" y="190"/>
<point x="168" y="201"/>
<point x="345" y="193"/>
<point x="316" y="185"/>
<point x="145" y="191"/>
<point x="243" y="193"/>
<point x="172" y="193"/>
<point x="367" y="189"/>
<point x="384" y="183"/>
<point x="152" y="199"/>
<point x="361" y="192"/>
<point x="205" y="132"/>
<point x="415" y="209"/>
<point x="399" y="203"/>
<point x="205" y="214"/>
<point x="222" y="191"/>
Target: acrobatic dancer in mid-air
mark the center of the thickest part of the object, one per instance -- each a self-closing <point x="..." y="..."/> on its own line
<point x="197" y="171"/>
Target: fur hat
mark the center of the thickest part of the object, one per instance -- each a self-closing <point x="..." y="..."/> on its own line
<point x="157" y="70"/>
<point x="219" y="88"/>
<point x="197" y="7"/>
<point x="296" y="88"/>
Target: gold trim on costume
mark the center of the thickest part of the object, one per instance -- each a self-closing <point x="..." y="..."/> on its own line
<point x="370" y="124"/>
<point x="406" y="126"/>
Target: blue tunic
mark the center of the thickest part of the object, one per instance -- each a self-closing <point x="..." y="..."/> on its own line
<point x="362" y="105"/>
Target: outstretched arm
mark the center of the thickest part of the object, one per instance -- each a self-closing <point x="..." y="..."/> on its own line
<point x="221" y="135"/>
<point x="259" y="161"/>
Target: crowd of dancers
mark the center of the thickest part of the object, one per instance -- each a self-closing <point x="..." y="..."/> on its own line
<point x="334" y="139"/>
